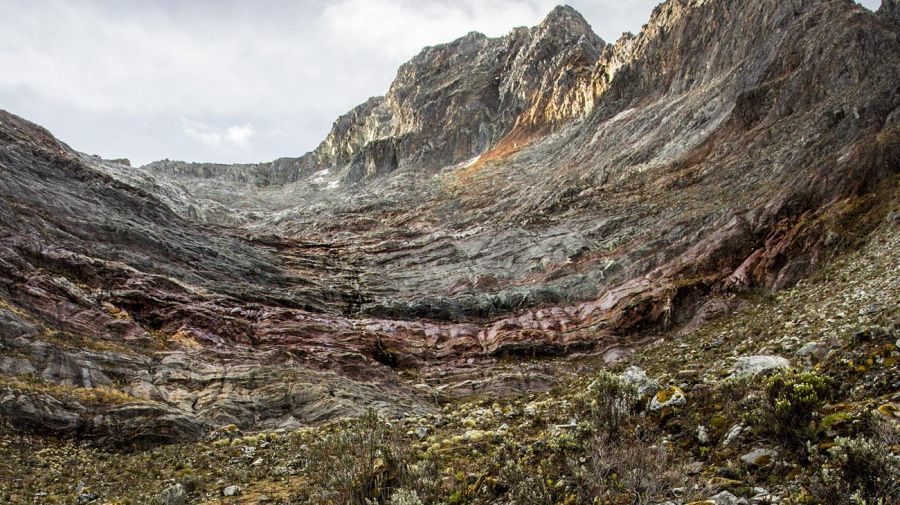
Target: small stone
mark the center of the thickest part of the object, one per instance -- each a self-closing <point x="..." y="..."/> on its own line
<point x="751" y="366"/>
<point x="759" y="457"/>
<point x="571" y="425"/>
<point x="761" y="496"/>
<point x="813" y="350"/>
<point x="231" y="491"/>
<point x="85" y="498"/>
<point x="726" y="498"/>
<point x="871" y="309"/>
<point x="172" y="495"/>
<point x="714" y="344"/>
<point x="719" y="483"/>
<point x="672" y="396"/>
<point x="694" y="467"/>
<point x="421" y="432"/>
<point x="702" y="435"/>
<point x="732" y="434"/>
<point x="83" y="495"/>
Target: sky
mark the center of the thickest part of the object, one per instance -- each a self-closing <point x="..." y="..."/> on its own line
<point x="229" y="80"/>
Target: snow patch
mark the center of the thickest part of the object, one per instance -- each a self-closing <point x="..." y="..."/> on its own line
<point x="319" y="177"/>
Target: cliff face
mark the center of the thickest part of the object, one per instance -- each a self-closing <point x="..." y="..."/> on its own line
<point x="537" y="194"/>
<point x="890" y="11"/>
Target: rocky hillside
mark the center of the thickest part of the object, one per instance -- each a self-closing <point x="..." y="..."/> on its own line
<point x="513" y="215"/>
<point x="694" y="417"/>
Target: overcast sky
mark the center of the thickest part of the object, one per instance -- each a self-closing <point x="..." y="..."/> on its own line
<point x="229" y="80"/>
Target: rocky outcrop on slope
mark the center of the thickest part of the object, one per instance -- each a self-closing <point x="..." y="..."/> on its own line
<point x="683" y="201"/>
<point x="102" y="286"/>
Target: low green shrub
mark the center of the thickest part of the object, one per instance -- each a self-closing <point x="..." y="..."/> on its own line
<point x="793" y="403"/>
<point x="609" y="402"/>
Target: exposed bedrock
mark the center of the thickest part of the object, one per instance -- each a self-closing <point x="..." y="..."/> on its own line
<point x="539" y="195"/>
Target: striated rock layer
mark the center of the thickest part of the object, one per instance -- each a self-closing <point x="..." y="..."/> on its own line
<point x="539" y="194"/>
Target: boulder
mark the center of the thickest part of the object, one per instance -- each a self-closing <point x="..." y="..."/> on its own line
<point x="172" y="495"/>
<point x="672" y="396"/>
<point x="751" y="366"/>
<point x="760" y="457"/>
<point x="637" y="377"/>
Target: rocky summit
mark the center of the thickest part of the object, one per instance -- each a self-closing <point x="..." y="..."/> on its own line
<point x="542" y="268"/>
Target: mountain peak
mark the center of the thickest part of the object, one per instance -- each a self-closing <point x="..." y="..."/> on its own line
<point x="566" y="17"/>
<point x="562" y="11"/>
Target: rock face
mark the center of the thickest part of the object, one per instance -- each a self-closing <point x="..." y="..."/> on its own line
<point x="527" y="196"/>
<point x="890" y="11"/>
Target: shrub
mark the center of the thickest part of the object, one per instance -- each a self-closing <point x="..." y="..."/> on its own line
<point x="627" y="468"/>
<point x="534" y="474"/>
<point x="357" y="463"/>
<point x="793" y="402"/>
<point x="605" y="463"/>
<point x="610" y="402"/>
<point x="423" y="476"/>
<point x="860" y="470"/>
<point x="405" y="497"/>
<point x="537" y="483"/>
<point x="528" y="485"/>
